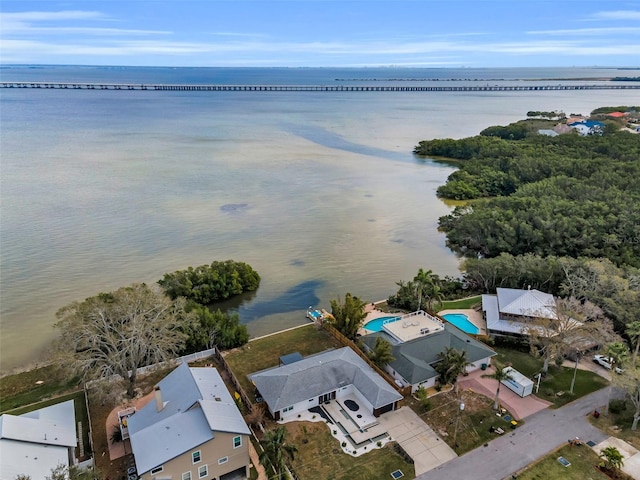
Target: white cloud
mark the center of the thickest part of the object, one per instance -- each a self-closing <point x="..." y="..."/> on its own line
<point x="617" y="15"/>
<point x="589" y="31"/>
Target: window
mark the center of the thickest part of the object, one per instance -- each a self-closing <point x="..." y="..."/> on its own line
<point x="186" y="476"/>
<point x="237" y="441"/>
<point x="203" y="471"/>
<point x="223" y="460"/>
<point x="195" y="457"/>
<point x="157" y="470"/>
<point x="287" y="409"/>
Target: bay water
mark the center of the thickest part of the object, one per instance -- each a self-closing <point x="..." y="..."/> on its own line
<point x="318" y="191"/>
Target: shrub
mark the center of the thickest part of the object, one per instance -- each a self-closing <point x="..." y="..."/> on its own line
<point x="617" y="405"/>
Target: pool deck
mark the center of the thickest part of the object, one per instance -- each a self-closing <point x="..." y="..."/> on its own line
<point x="473" y="316"/>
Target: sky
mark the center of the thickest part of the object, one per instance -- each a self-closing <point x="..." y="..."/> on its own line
<point x="321" y="33"/>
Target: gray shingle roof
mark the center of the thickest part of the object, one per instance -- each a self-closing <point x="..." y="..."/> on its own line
<point x="414" y="359"/>
<point x="196" y="404"/>
<point x="319" y="374"/>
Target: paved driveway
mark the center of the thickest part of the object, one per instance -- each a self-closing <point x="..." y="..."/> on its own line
<point x="543" y="432"/>
<point x="417" y="439"/>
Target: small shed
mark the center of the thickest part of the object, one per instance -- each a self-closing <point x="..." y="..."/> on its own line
<point x="290" y="358"/>
<point x="519" y="384"/>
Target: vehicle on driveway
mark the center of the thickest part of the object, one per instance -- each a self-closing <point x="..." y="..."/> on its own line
<point x="606" y="362"/>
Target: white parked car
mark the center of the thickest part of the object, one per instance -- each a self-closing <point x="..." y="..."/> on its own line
<point x="606" y="362"/>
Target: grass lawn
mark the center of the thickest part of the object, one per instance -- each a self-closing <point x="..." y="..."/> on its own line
<point x="465" y="303"/>
<point x="21" y="389"/>
<point x="265" y="352"/>
<point x="583" y="461"/>
<point x="322" y="457"/>
<point x="556" y="385"/>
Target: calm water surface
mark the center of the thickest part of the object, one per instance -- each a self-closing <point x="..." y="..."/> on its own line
<point x="319" y="192"/>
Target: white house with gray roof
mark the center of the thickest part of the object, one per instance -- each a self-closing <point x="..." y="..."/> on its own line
<point x="192" y="429"/>
<point x="415" y="346"/>
<point x="37" y="442"/>
<point x="296" y="387"/>
<point x="511" y="310"/>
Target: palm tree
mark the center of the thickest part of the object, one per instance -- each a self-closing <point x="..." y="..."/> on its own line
<point x="382" y="353"/>
<point x="276" y="449"/>
<point x="348" y="316"/>
<point x="423" y="281"/>
<point x="452" y="363"/>
<point x="501" y="374"/>
<point x="618" y="354"/>
<point x="612" y="458"/>
<point x="633" y="330"/>
<point x="434" y="296"/>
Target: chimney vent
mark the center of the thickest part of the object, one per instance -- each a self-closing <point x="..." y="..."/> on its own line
<point x="158" y="394"/>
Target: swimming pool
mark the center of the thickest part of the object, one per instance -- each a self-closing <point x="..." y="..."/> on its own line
<point x="461" y="321"/>
<point x="375" y="325"/>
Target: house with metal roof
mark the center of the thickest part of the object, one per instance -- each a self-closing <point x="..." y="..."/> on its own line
<point x="35" y="443"/>
<point x="295" y="387"/>
<point x="511" y="310"/>
<point x="192" y="429"/>
<point x="415" y="354"/>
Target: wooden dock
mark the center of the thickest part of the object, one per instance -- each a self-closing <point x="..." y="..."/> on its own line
<point x="311" y="88"/>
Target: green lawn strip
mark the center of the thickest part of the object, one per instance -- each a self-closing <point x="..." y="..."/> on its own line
<point x="556" y="385"/>
<point x="583" y="462"/>
<point x="322" y="457"/>
<point x="80" y="408"/>
<point x="463" y="304"/>
<point x="21" y="388"/>
<point x="265" y="352"/>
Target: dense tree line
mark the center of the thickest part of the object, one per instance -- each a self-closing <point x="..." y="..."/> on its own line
<point x="208" y="284"/>
<point x="565" y="196"/>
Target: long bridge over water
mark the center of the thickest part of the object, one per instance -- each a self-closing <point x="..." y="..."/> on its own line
<point x="310" y="88"/>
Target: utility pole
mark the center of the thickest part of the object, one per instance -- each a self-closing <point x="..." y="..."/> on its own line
<point x="575" y="371"/>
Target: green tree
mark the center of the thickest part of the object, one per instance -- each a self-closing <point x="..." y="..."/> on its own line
<point x="613" y="459"/>
<point x="276" y="450"/>
<point x="630" y="384"/>
<point x="451" y="364"/>
<point x="499" y="375"/>
<point x="633" y="330"/>
<point x="618" y="353"/>
<point x="208" y="284"/>
<point x="422" y="396"/>
<point x="208" y="329"/>
<point x="116" y="333"/>
<point x="423" y="282"/>
<point x="381" y="353"/>
<point x="348" y="316"/>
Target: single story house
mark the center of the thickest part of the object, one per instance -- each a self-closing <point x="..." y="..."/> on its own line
<point x="511" y="310"/>
<point x="35" y="443"/>
<point x="297" y="386"/>
<point x="416" y="340"/>
<point x="192" y="429"/>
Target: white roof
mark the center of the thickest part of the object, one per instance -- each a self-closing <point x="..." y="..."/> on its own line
<point x="54" y="425"/>
<point x="526" y="303"/>
<point x="196" y="405"/>
<point x="32" y="459"/>
<point x="37" y="442"/>
<point x="494" y="323"/>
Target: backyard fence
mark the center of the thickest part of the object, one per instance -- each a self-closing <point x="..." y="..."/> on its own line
<point x="225" y="366"/>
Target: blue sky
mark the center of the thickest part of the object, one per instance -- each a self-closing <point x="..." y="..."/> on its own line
<point x="297" y="33"/>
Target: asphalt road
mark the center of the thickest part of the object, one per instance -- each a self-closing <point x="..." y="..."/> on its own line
<point x="543" y="432"/>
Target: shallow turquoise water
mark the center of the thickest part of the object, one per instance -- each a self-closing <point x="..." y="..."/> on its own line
<point x="461" y="321"/>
